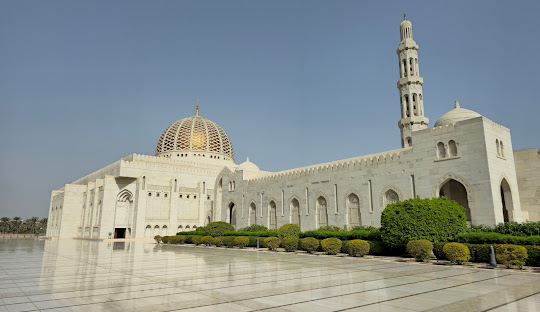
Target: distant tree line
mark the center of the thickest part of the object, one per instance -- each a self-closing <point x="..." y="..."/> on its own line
<point x="16" y="225"/>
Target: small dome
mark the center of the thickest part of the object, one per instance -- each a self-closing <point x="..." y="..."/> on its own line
<point x="405" y="23"/>
<point x="455" y="115"/>
<point x="195" y="133"/>
<point x="248" y="166"/>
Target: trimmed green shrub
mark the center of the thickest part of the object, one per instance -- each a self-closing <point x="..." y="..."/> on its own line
<point x="217" y="241"/>
<point x="157" y="238"/>
<point x="272" y="243"/>
<point x="457" y="253"/>
<point x="309" y="244"/>
<point x="254" y="228"/>
<point x="165" y="239"/>
<point x="241" y="241"/>
<point x="344" y="235"/>
<point x="357" y="248"/>
<point x="438" y="250"/>
<point x="376" y="248"/>
<point x="330" y="228"/>
<point x="368" y="228"/>
<point x="479" y="252"/>
<point x="207" y="240"/>
<point x="510" y="255"/>
<point x="289" y="230"/>
<point x="533" y="253"/>
<point x="496" y="238"/>
<point x="436" y="220"/>
<point x="253" y="241"/>
<point x="290" y="243"/>
<point x="218" y="228"/>
<point x="420" y="249"/>
<point x="177" y="239"/>
<point x="228" y="241"/>
<point x="196" y="239"/>
<point x="267" y="233"/>
<point x="331" y="246"/>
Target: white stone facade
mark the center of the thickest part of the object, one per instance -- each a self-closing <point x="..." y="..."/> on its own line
<point x="193" y="178"/>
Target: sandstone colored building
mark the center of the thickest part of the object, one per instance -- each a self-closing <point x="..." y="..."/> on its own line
<point x="193" y="178"/>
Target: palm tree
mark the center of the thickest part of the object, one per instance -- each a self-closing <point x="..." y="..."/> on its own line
<point x="43" y="225"/>
<point x="4" y="225"/>
<point x="15" y="224"/>
<point x="31" y="224"/>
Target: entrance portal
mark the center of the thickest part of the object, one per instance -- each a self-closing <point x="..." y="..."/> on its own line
<point x="232" y="214"/>
<point x="120" y="233"/>
<point x="453" y="190"/>
<point x="506" y="198"/>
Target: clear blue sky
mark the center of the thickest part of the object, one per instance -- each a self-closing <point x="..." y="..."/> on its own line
<point x="293" y="83"/>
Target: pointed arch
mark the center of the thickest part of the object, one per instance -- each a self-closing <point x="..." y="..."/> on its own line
<point x="321" y="206"/>
<point x="252" y="213"/>
<point x="353" y="209"/>
<point x="272" y="215"/>
<point x="506" y="200"/>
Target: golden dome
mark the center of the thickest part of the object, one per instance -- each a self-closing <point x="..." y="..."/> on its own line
<point x="195" y="133"/>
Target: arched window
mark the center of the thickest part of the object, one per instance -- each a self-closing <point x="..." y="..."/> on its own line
<point x="441" y="151"/>
<point x="252" y="214"/>
<point x="502" y="148"/>
<point x="188" y="228"/>
<point x="180" y="228"/>
<point x="272" y="223"/>
<point x="156" y="230"/>
<point x="390" y="197"/>
<point x="164" y="231"/>
<point x="353" y="205"/>
<point x="407" y="111"/>
<point x="322" y="211"/>
<point x="452" y="147"/>
<point x="295" y="211"/>
<point x="411" y="66"/>
<point x="498" y="147"/>
<point x="415" y="104"/>
<point x="404" y="68"/>
<point x="409" y="141"/>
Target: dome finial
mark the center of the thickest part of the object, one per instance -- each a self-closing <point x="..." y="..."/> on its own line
<point x="197" y="109"/>
<point x="456" y="104"/>
<point x="404" y="15"/>
<point x="247" y="158"/>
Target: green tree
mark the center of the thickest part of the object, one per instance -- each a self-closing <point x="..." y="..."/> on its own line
<point x="436" y="220"/>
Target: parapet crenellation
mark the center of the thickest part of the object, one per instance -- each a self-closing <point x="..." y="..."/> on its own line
<point x="355" y="163"/>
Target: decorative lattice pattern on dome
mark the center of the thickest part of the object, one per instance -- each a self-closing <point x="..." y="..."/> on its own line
<point x="183" y="137"/>
<point x="196" y="134"/>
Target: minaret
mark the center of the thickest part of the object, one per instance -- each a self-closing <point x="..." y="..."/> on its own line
<point x="410" y="86"/>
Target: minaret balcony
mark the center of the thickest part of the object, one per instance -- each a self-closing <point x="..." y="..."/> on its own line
<point x="410" y="80"/>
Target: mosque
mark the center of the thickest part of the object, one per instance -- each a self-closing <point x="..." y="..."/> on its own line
<point x="193" y="179"/>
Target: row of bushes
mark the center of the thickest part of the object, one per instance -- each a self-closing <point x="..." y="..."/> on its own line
<point x="510" y="228"/>
<point x="496" y="238"/>
<point x="459" y="253"/>
<point x="289" y="243"/>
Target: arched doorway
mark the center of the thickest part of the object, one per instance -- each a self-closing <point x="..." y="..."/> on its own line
<point x="164" y="231"/>
<point x="506" y="198"/>
<point x="272" y="223"/>
<point x="322" y="211"/>
<point x="156" y="230"/>
<point x="353" y="207"/>
<point x="123" y="214"/>
<point x="252" y="214"/>
<point x="295" y="212"/>
<point x="232" y="214"/>
<point x="148" y="231"/>
<point x="454" y="190"/>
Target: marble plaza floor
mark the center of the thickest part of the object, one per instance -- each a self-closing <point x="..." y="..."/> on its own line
<point x="74" y="275"/>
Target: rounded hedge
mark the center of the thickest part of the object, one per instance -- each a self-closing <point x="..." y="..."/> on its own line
<point x="272" y="243"/>
<point x="309" y="244"/>
<point x="289" y="230"/>
<point x="207" y="240"/>
<point x="331" y="245"/>
<point x="357" y="248"/>
<point x="217" y="241"/>
<point x="241" y="241"/>
<point x="196" y="239"/>
<point x="157" y="238"/>
<point x="254" y="228"/>
<point x="420" y="249"/>
<point x="218" y="228"/>
<point x="290" y="243"/>
<point x="457" y="252"/>
<point x="228" y="241"/>
<point x="177" y="239"/>
<point x="510" y="255"/>
<point x="436" y="220"/>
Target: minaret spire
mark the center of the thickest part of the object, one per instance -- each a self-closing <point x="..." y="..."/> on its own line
<point x="197" y="109"/>
<point x="409" y="85"/>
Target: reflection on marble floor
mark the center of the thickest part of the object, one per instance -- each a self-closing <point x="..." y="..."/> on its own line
<point x="77" y="275"/>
